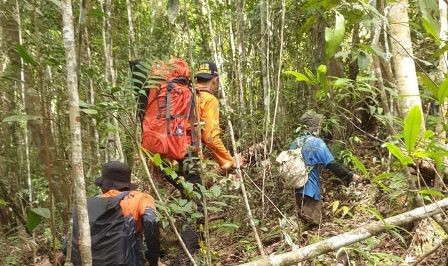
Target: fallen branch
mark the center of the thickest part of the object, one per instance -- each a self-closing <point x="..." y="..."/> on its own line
<point x="351" y="237"/>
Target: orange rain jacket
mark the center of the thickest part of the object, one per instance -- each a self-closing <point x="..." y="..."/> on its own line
<point x="134" y="204"/>
<point x="210" y="135"/>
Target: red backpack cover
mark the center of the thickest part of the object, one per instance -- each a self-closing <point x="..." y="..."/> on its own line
<point x="170" y="111"/>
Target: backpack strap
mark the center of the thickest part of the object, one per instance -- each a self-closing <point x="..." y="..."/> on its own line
<point x="168" y="116"/>
<point x="168" y="106"/>
<point x="192" y="116"/>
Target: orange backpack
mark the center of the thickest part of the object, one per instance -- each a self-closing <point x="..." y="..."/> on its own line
<point x="170" y="112"/>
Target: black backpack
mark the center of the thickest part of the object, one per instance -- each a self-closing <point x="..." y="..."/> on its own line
<point x="114" y="240"/>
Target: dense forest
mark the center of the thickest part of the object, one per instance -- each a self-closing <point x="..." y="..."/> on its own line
<point x="376" y="70"/>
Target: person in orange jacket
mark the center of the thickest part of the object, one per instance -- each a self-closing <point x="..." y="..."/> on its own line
<point x="207" y="83"/>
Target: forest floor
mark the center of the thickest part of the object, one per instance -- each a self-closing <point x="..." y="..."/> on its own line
<point x="396" y="247"/>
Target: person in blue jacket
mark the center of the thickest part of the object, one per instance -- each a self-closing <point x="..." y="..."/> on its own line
<point x="315" y="153"/>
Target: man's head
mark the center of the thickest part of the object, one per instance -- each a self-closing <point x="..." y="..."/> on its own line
<point x="115" y="175"/>
<point x="312" y="122"/>
<point x="207" y="73"/>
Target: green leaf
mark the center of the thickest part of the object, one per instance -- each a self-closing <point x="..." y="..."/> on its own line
<point x="335" y="206"/>
<point x="342" y="82"/>
<point x="27" y="57"/>
<point x="216" y="190"/>
<point x="188" y="187"/>
<point x="359" y="164"/>
<point x="35" y="217"/>
<point x="95" y="12"/>
<point x="3" y="202"/>
<point x="430" y="17"/>
<point x="156" y="159"/>
<point x="89" y="111"/>
<point x="299" y="76"/>
<point x="430" y="29"/>
<point x="411" y="128"/>
<point x="396" y="151"/>
<point x="363" y="61"/>
<point x="429" y="134"/>
<point x="196" y="215"/>
<point x="43" y="212"/>
<point x="377" y="214"/>
<point x="83" y="104"/>
<point x="431" y="192"/>
<point x="382" y="176"/>
<point x="33" y="220"/>
<point x="441" y="51"/>
<point x="442" y="93"/>
<point x="172" y="10"/>
<point x="334" y="36"/>
<point x="428" y="84"/>
<point x="20" y="118"/>
<point x="229" y="225"/>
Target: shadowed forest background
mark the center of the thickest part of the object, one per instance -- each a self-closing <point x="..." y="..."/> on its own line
<point x="375" y="69"/>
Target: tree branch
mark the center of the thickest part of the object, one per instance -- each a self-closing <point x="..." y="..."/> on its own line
<point x="351" y="237"/>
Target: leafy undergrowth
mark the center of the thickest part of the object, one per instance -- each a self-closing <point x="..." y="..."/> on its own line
<point x="345" y="209"/>
<point x="232" y="241"/>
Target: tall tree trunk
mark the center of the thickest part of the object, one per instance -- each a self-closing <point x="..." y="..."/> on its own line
<point x="45" y="128"/>
<point x="75" y="128"/>
<point x="241" y="56"/>
<point x="402" y="55"/>
<point x="94" y="135"/>
<point x="443" y="69"/>
<point x="115" y="149"/>
<point x="24" y="104"/>
<point x="133" y="54"/>
<point x="279" y="73"/>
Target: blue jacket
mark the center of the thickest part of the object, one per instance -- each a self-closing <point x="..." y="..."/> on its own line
<point x="315" y="152"/>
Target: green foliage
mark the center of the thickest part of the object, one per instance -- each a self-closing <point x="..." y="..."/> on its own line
<point x="36" y="216"/>
<point x="377" y="215"/>
<point x="20" y="118"/>
<point x="25" y="55"/>
<point x="411" y="128"/>
<point x="359" y="165"/>
<point x="334" y="36"/>
<point x="442" y="92"/>
<point x="430" y="17"/>
<point x="340" y="211"/>
<point x="428" y="84"/>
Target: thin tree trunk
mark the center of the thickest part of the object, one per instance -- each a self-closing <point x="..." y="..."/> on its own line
<point x="115" y="150"/>
<point x="279" y="73"/>
<point x="403" y="62"/>
<point x="351" y="237"/>
<point x="95" y="137"/>
<point x="132" y="50"/>
<point x="25" y="125"/>
<point x="376" y="72"/>
<point x="23" y="96"/>
<point x="241" y="57"/>
<point x="264" y="32"/>
<point x="75" y="128"/>
<point x="44" y="129"/>
<point x="232" y="136"/>
<point x="443" y="61"/>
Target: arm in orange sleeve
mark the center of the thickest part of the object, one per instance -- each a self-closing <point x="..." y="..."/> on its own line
<point x="211" y="132"/>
